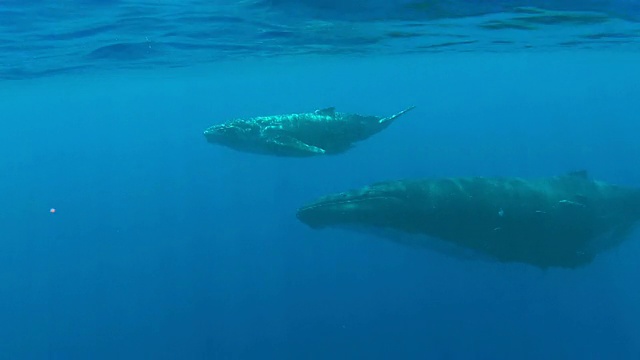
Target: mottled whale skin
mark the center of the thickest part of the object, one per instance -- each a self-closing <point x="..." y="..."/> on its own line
<point x="562" y="221"/>
<point x="322" y="132"/>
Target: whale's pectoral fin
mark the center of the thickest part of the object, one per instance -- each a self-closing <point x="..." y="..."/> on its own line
<point x="393" y="117"/>
<point x="330" y="111"/>
<point x="272" y="130"/>
<point x="289" y="142"/>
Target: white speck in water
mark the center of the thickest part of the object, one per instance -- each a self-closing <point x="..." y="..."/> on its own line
<point x="501" y="212"/>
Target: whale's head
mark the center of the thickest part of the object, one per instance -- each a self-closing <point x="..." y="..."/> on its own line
<point x="380" y="205"/>
<point x="237" y="134"/>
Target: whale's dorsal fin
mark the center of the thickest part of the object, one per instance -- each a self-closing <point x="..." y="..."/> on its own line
<point x="330" y="111"/>
<point x="584" y="174"/>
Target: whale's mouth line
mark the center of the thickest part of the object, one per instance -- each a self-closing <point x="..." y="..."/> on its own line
<point x="338" y="202"/>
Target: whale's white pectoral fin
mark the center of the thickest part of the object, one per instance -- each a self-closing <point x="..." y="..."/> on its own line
<point x="330" y="111"/>
<point x="393" y="117"/>
<point x="272" y="130"/>
<point x="293" y="143"/>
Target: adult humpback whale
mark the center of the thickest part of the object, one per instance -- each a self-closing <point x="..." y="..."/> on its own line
<point x="562" y="221"/>
<point x="298" y="135"/>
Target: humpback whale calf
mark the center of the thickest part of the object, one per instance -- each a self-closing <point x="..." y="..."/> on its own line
<point x="298" y="135"/>
<point x="562" y="221"/>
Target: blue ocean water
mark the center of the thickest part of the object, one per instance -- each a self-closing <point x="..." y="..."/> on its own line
<point x="163" y="246"/>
